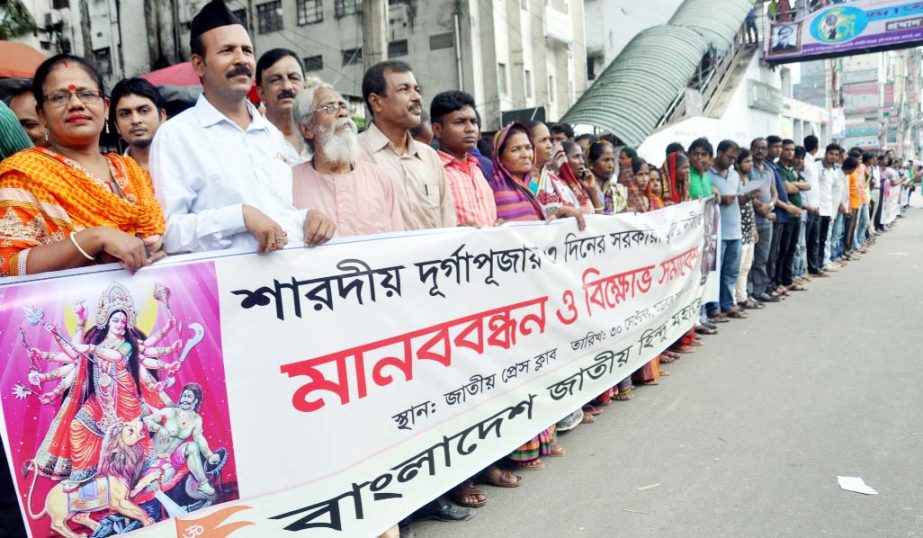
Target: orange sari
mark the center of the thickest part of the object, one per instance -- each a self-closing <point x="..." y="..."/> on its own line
<point x="45" y="196"/>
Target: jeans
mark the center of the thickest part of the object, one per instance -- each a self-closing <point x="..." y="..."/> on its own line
<point x="730" y="269"/>
<point x="812" y="235"/>
<point x="799" y="262"/>
<point x="836" y="237"/>
<point x="787" y="252"/>
<point x="863" y="227"/>
<point x="850" y="238"/>
<point x="746" y="261"/>
<point x="759" y="274"/>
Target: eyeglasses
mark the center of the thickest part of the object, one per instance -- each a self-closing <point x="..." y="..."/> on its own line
<point x="87" y="97"/>
<point x="334" y="107"/>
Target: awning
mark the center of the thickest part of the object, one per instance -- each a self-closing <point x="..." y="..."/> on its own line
<point x="181" y="74"/>
<point x="634" y="91"/>
<point x="18" y="60"/>
<point x="718" y="22"/>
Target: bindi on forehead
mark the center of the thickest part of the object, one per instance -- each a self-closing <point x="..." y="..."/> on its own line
<point x="71" y="87"/>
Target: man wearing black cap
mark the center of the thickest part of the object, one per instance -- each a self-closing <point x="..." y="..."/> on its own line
<point x="219" y="168"/>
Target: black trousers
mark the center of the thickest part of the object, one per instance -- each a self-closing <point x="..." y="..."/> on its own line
<point x="787" y="246"/>
<point x="812" y="239"/>
<point x="822" y="242"/>
<point x="773" y="264"/>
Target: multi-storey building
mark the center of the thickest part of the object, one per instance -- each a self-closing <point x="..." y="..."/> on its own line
<point x="525" y="55"/>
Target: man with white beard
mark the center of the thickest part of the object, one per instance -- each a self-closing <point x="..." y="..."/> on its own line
<point x="359" y="196"/>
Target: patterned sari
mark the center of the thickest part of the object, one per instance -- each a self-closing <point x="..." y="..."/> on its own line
<point x="45" y="196"/>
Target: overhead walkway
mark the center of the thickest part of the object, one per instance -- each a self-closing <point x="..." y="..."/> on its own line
<point x="643" y="83"/>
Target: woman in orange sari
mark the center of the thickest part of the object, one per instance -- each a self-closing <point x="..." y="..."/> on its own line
<point x="68" y="205"/>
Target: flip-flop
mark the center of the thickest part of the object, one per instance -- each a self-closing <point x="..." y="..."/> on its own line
<point x="485" y="477"/>
<point x="534" y="465"/>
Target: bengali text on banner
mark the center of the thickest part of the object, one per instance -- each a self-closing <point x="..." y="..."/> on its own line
<point x="328" y="391"/>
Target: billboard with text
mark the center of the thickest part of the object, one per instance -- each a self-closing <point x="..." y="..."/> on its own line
<point x="845" y="29"/>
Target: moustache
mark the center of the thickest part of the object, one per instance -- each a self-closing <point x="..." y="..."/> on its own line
<point x="415" y="106"/>
<point x="286" y="94"/>
<point x="239" y="70"/>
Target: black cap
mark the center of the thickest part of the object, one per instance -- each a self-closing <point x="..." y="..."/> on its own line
<point x="215" y="14"/>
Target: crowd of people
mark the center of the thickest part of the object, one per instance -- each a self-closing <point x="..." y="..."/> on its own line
<point x="222" y="175"/>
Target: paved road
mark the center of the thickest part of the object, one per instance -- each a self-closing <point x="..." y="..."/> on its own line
<point x="747" y="436"/>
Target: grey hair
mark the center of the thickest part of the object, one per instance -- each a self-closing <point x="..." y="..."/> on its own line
<point x="304" y="101"/>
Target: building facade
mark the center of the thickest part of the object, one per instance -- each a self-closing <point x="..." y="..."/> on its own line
<point x="525" y="55"/>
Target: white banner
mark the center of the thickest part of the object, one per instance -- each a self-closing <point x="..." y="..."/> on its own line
<point x="334" y="389"/>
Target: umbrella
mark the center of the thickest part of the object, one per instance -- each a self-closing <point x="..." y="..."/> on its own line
<point x="180" y="84"/>
<point x="18" y="60"/>
<point x="181" y="74"/>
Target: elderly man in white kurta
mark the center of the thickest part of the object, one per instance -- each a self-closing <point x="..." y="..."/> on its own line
<point x="218" y="168"/>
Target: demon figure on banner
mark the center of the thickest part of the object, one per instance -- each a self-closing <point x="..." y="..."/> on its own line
<point x="136" y="434"/>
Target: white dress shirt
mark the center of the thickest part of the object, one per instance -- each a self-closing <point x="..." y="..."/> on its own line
<point x="205" y="168"/>
<point x="826" y="180"/>
<point x="811" y="197"/>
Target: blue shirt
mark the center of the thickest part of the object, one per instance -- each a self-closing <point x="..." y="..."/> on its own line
<point x="486" y="166"/>
<point x="765" y="178"/>
<point x="781" y="214"/>
<point x="728" y="184"/>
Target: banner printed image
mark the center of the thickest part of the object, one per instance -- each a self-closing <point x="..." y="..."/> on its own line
<point x="114" y="400"/>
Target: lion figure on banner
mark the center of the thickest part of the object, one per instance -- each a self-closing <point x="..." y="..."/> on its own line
<point x="121" y="463"/>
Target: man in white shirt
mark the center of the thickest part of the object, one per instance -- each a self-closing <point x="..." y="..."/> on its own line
<point x="279" y="79"/>
<point x="826" y="177"/>
<point x="810" y="200"/>
<point x="218" y="168"/>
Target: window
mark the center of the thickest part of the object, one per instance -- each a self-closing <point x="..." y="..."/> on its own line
<point x="103" y="60"/>
<point x="528" y="83"/>
<point x="313" y="63"/>
<point x="501" y="78"/>
<point x="310" y="12"/>
<point x="550" y="89"/>
<point x="342" y="8"/>
<point x="269" y="17"/>
<point x="60" y="4"/>
<point x="397" y="48"/>
<point x="524" y="4"/>
<point x="242" y="15"/>
<point x="352" y="56"/>
<point x="441" y="41"/>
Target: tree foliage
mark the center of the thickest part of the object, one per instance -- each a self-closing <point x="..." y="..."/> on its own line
<point x="15" y="20"/>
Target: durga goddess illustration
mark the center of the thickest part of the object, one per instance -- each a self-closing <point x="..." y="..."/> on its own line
<point x="106" y="381"/>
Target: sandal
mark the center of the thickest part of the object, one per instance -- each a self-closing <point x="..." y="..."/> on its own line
<point x="557" y="451"/>
<point x="705" y="330"/>
<point x="666" y="359"/>
<point x="498" y="478"/>
<point x="467" y="494"/>
<point x="796" y="287"/>
<point x="533" y="465"/>
<point x="737" y="314"/>
<point x="588" y="418"/>
<point x="593" y="410"/>
<point x="622" y="397"/>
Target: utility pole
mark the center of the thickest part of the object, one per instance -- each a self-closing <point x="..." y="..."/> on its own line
<point x="374" y="32"/>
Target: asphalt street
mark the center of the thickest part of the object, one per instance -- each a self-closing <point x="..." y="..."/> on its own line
<point x="748" y="435"/>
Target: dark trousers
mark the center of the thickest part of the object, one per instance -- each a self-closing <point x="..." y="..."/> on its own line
<point x="759" y="271"/>
<point x="787" y="245"/>
<point x="825" y="223"/>
<point x="772" y="265"/>
<point x="812" y="239"/>
<point x="878" y="206"/>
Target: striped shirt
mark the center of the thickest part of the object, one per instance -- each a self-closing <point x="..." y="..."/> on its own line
<point x="474" y="200"/>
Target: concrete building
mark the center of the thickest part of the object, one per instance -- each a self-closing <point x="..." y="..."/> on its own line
<point x="512" y="55"/>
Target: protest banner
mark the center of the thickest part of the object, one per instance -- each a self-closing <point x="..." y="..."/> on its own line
<point x="328" y="391"/>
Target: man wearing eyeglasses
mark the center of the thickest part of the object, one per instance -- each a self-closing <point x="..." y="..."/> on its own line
<point x="359" y="196"/>
<point x="219" y="168"/>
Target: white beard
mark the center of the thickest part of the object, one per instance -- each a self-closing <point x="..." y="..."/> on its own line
<point x="338" y="145"/>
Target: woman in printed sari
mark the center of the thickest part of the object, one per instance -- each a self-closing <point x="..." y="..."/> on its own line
<point x="567" y="163"/>
<point x="549" y="189"/>
<point x="601" y="158"/>
<point x="513" y="164"/>
<point x="68" y="205"/>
